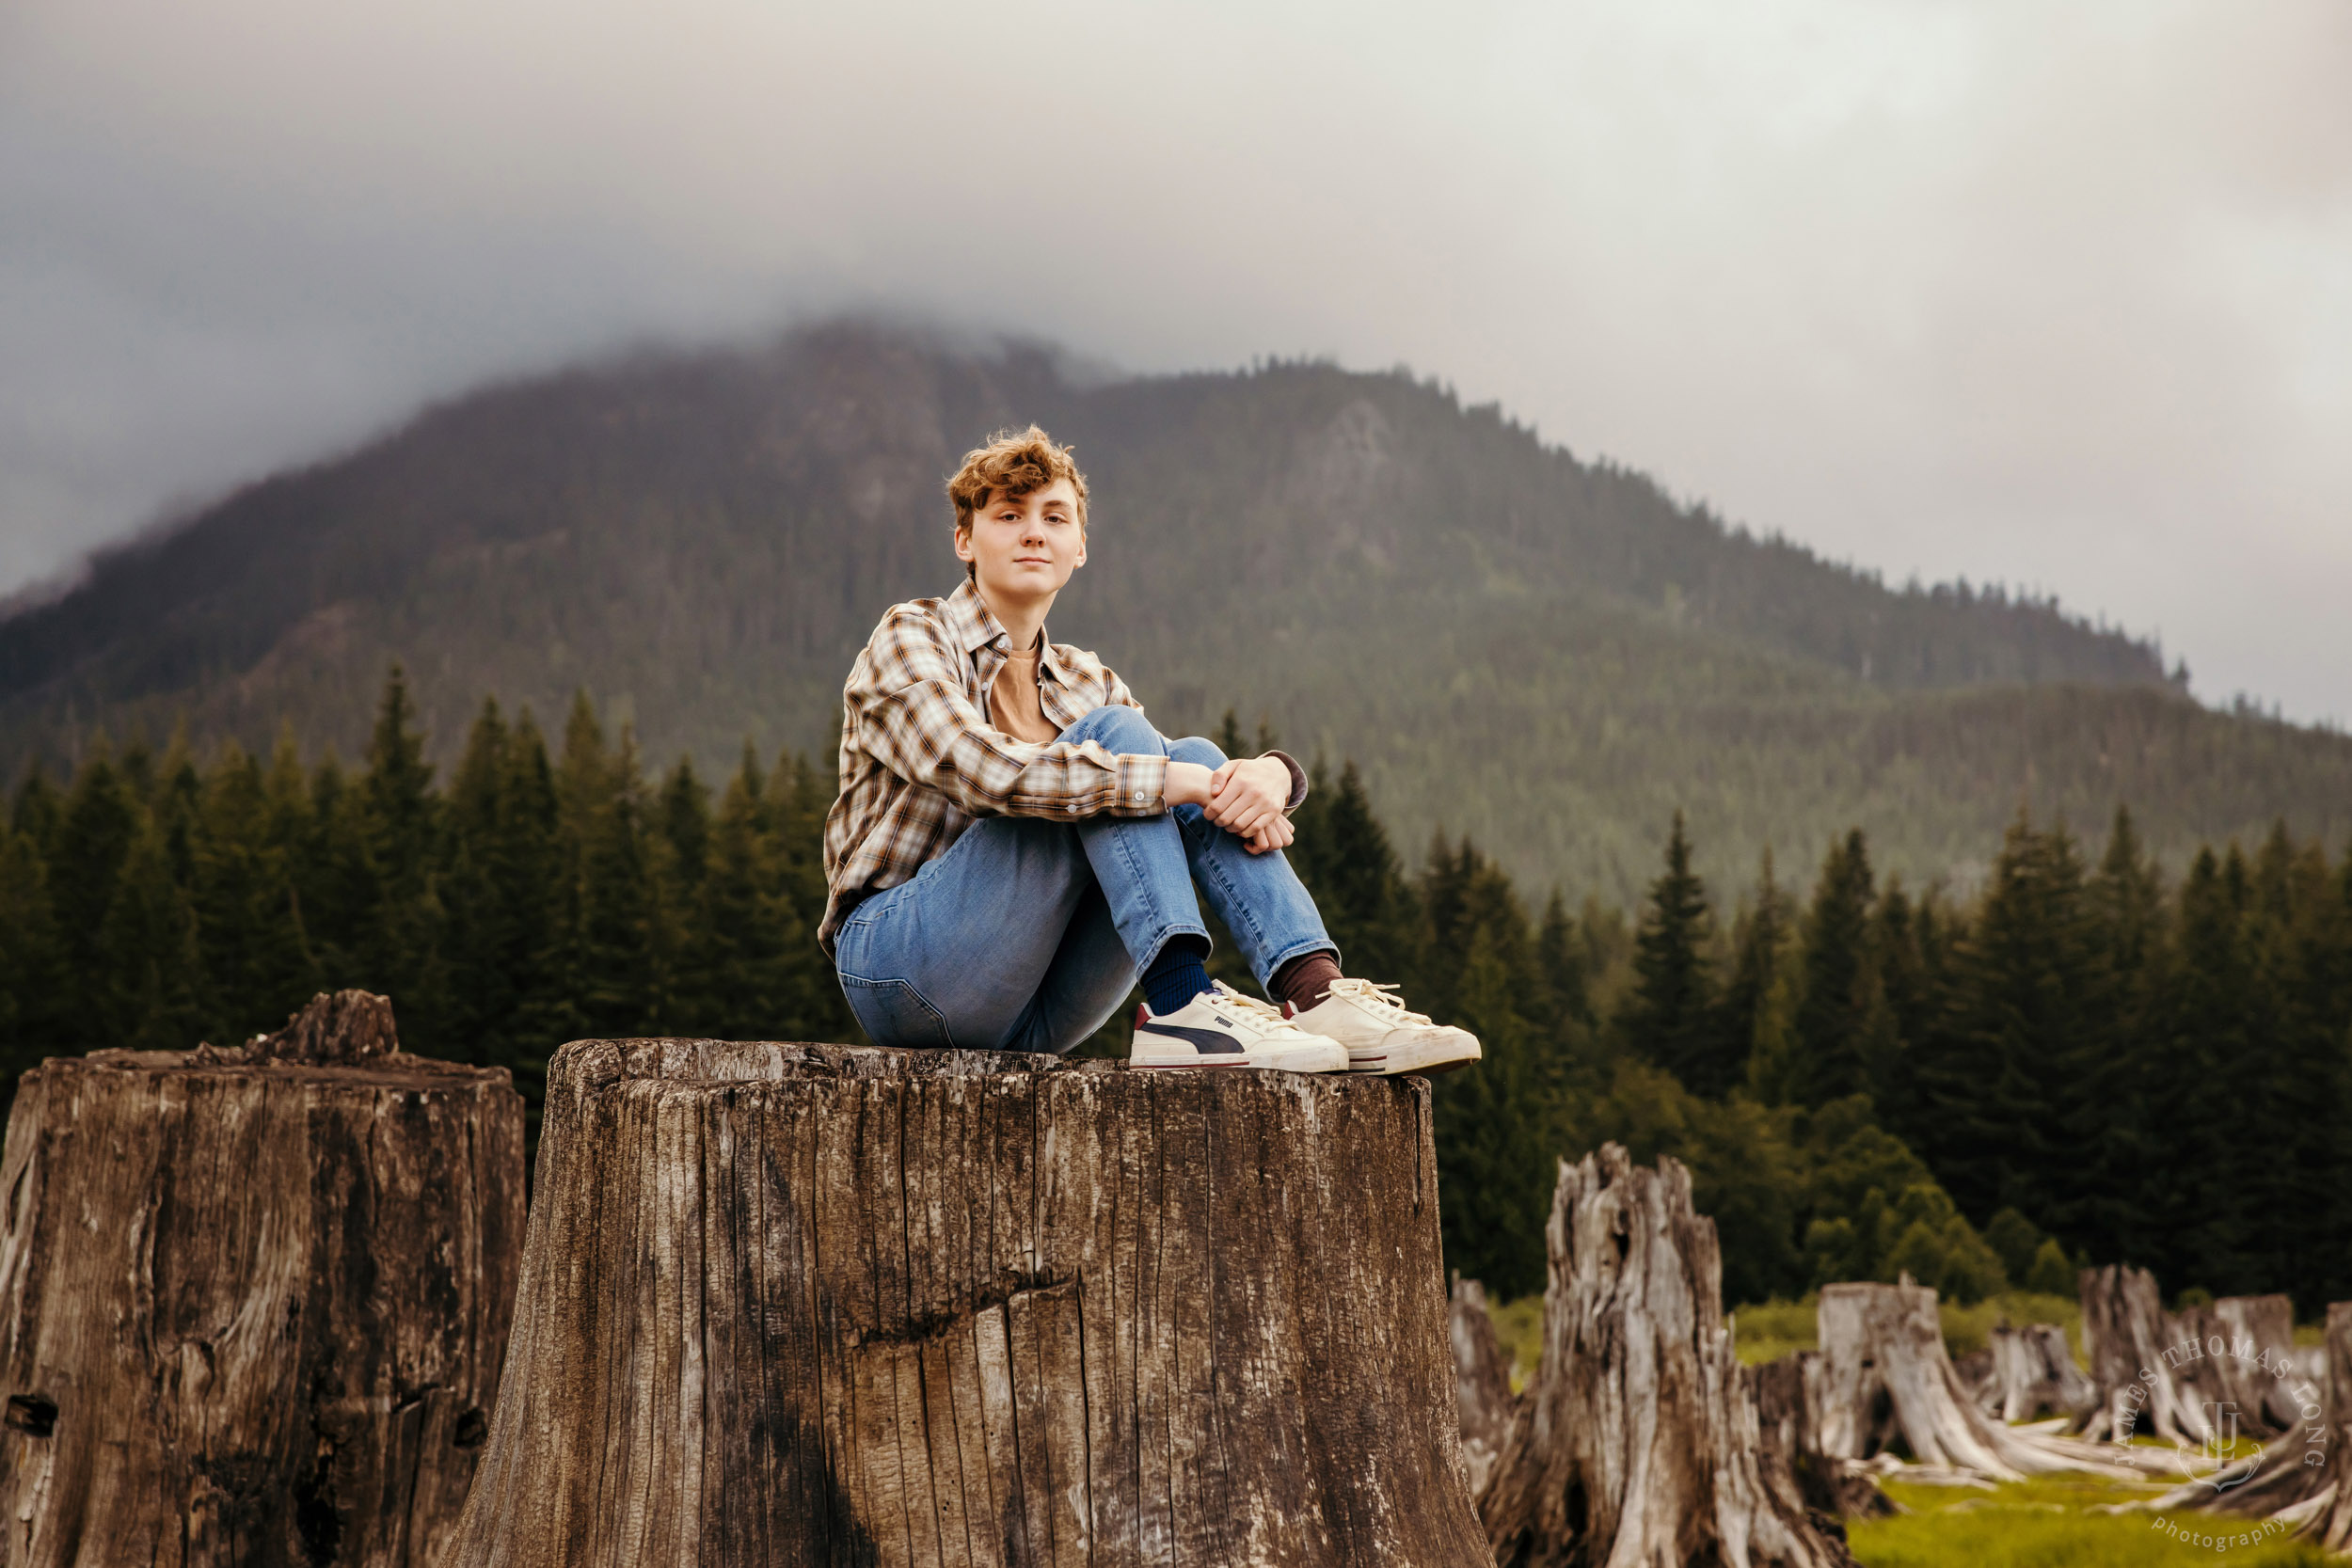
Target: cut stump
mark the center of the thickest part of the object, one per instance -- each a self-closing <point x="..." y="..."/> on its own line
<point x="2235" y="1356"/>
<point x="2031" y="1370"/>
<point x="1787" y="1410"/>
<point x="1638" y="1443"/>
<point x="253" y="1302"/>
<point x="1482" y="1382"/>
<point x="815" y="1305"/>
<point x="2127" y="1333"/>
<point x="1887" y="1386"/>
<point x="2302" y="1478"/>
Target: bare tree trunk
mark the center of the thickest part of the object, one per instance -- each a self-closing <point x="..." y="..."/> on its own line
<point x="1787" y="1410"/>
<point x="815" y="1305"/>
<point x="2127" y="1333"/>
<point x="253" y="1302"/>
<point x="1639" y="1443"/>
<point x="1888" y="1386"/>
<point x="1482" y="1382"/>
<point x="2030" y="1371"/>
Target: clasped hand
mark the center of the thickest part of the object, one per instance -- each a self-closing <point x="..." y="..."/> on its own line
<point x="1245" y="797"/>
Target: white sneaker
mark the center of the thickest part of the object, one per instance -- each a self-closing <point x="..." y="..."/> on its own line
<point x="1381" y="1036"/>
<point x="1221" y="1027"/>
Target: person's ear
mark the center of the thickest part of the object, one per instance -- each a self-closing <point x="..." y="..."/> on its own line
<point x="963" y="544"/>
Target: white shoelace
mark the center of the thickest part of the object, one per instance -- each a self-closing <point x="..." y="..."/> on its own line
<point x="1262" y="1013"/>
<point x="1385" y="996"/>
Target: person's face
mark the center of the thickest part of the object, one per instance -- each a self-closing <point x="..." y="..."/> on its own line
<point x="1027" y="548"/>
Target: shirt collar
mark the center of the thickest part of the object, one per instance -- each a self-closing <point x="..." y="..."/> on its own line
<point x="973" y="626"/>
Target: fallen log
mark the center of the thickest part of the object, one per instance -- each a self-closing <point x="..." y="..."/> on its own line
<point x="1482" y="1382"/>
<point x="1887" y="1386"/>
<point x="2127" y="1333"/>
<point x="816" y="1304"/>
<point x="1639" y="1441"/>
<point x="253" y="1301"/>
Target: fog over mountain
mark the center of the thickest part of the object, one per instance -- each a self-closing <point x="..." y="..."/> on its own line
<point x="1551" y="654"/>
<point x="2052" y="296"/>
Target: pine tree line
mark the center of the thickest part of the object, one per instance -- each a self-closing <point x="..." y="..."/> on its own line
<point x="540" y="897"/>
<point x="2084" y="1062"/>
<point x="2078" y="1063"/>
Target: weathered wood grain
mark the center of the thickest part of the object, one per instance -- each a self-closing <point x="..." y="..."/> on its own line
<point x="1482" y="1382"/>
<point x="1638" y="1444"/>
<point x="815" y="1305"/>
<point x="252" y="1306"/>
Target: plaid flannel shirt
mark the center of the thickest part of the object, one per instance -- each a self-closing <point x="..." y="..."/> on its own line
<point x="919" y="759"/>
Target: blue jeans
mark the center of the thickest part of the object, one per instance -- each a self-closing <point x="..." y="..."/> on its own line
<point x="1027" y="934"/>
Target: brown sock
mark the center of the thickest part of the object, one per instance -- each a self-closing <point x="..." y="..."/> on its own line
<point x="1305" y="980"/>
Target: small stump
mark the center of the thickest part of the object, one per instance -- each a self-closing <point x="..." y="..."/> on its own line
<point x="253" y="1302"/>
<point x="805" y="1304"/>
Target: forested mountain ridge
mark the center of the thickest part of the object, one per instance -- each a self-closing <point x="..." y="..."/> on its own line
<point x="1548" y="653"/>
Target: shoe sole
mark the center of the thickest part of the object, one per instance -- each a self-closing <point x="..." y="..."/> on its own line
<point x="1372" y="1067"/>
<point x="1237" y="1062"/>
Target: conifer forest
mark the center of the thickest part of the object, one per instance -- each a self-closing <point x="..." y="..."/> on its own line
<point x="2081" y="1060"/>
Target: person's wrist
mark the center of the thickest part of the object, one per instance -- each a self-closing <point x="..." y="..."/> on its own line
<point x="1187" y="784"/>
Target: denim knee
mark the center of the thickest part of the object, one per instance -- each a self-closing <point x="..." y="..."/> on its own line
<point x="1193" y="747"/>
<point x="1118" y="728"/>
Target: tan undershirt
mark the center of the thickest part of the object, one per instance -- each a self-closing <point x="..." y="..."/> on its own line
<point x="1012" y="703"/>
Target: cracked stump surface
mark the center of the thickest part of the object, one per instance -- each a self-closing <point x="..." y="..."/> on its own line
<point x="797" y="1304"/>
<point x="252" y="1310"/>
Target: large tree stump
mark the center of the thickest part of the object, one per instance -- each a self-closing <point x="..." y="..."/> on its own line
<point x="2236" y="1359"/>
<point x="1482" y="1382"/>
<point x="2127" y="1333"/>
<point x="815" y="1305"/>
<point x="1887" y="1386"/>
<point x="1638" y="1443"/>
<point x="253" y="1302"/>
<point x="2031" y="1370"/>
<point x="2302" y="1478"/>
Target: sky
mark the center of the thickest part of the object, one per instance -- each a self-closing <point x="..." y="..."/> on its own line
<point x="2054" y="296"/>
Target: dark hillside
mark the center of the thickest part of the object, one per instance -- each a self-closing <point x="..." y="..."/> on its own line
<point x="1546" y="652"/>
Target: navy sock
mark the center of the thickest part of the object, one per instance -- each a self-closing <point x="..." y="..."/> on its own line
<point x="1175" y="977"/>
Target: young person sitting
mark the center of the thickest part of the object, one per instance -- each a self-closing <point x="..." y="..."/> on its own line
<point x="1015" y="843"/>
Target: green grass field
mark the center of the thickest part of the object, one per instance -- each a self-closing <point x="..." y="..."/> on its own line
<point x="2049" y="1523"/>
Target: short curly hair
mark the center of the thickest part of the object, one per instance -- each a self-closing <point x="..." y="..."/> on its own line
<point x="1019" y="463"/>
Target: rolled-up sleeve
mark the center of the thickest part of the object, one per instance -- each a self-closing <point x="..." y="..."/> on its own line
<point x="915" y="719"/>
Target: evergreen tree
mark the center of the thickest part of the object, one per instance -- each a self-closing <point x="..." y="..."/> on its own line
<point x="401" y="818"/>
<point x="149" y="972"/>
<point x="2002" y="1101"/>
<point x="257" y="964"/>
<point x="2194" y="1058"/>
<point x="1842" y="1035"/>
<point x="1495" y="1128"/>
<point x="1668" y="1019"/>
<point x="32" y="959"/>
<point x="93" y="839"/>
<point x="1759" y="939"/>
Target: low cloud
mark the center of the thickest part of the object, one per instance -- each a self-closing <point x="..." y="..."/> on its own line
<point x="2057" y="296"/>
